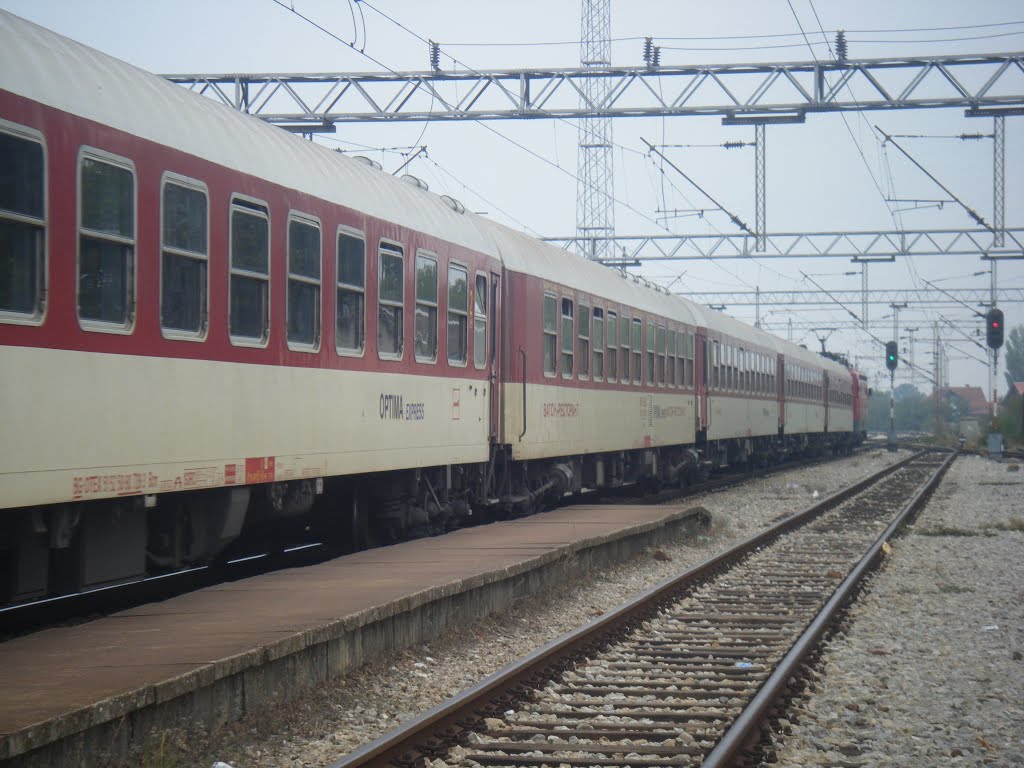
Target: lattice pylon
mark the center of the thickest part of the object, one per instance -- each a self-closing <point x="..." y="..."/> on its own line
<point x="595" y="190"/>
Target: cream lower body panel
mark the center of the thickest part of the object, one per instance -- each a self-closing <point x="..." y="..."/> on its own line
<point x="732" y="417"/>
<point x="802" y="418"/>
<point x="840" y="420"/>
<point x="564" y="421"/>
<point x="82" y="425"/>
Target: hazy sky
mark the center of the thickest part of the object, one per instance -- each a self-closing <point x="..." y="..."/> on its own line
<point x="817" y="179"/>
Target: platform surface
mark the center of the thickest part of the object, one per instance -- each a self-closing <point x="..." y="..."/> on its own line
<point x="69" y="669"/>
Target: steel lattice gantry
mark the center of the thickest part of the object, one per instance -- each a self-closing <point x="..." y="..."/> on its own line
<point x="307" y="101"/>
<point x="867" y="246"/>
<point x="912" y="296"/>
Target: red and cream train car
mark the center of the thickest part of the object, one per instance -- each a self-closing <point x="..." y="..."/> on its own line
<point x="210" y="327"/>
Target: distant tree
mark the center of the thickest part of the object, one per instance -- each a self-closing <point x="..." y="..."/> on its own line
<point x="912" y="411"/>
<point x="1011" y="419"/>
<point x="1015" y="355"/>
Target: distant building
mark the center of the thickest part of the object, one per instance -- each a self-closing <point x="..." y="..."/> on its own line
<point x="969" y="407"/>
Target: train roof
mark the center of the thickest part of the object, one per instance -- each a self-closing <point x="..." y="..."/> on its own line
<point x="42" y="65"/>
<point x="527" y="255"/>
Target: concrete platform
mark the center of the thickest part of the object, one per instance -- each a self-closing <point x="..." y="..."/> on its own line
<point x="80" y="695"/>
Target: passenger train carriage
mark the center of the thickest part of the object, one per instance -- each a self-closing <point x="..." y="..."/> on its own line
<point x="210" y="329"/>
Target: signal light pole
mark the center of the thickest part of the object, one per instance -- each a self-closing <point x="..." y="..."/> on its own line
<point x="994" y="340"/>
<point x="892" y="359"/>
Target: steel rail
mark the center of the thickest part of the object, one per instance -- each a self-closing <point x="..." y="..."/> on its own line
<point x="559" y="652"/>
<point x="744" y="727"/>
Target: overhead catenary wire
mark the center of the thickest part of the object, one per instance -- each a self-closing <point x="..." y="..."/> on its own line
<point x="732" y="217"/>
<point x="775" y="36"/>
<point x="927" y="375"/>
<point x="970" y="211"/>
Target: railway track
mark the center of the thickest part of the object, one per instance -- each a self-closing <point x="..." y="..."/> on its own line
<point x="685" y="674"/>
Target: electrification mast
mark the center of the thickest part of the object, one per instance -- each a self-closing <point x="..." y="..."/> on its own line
<point x="595" y="214"/>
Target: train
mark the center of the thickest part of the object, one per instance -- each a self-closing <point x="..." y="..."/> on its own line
<point x="212" y="329"/>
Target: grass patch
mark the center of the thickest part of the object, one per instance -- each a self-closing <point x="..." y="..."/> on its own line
<point x="953" y="589"/>
<point x="946" y="530"/>
<point x="1013" y="524"/>
<point x="162" y="753"/>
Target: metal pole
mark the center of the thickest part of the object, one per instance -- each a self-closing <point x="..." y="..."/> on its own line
<point x="910" y="356"/>
<point x="760" y="222"/>
<point x="891" y="441"/>
<point x="864" y="294"/>
<point x="998" y="179"/>
<point x="937" y="392"/>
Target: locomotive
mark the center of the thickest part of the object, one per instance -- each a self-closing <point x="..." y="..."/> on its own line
<point x="211" y="328"/>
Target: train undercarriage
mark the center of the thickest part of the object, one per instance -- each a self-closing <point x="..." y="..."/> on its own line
<point x="66" y="548"/>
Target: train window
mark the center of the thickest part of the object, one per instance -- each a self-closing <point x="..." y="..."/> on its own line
<point x="670" y="365"/>
<point x="458" y="314"/>
<point x="249" y="319"/>
<point x="304" y="283"/>
<point x="613" y="345"/>
<point x="650" y="353"/>
<point x="480" y="321"/>
<point x="568" y="336"/>
<point x="598" y="344"/>
<point x="22" y="225"/>
<point x="681" y="366"/>
<point x="624" y="346"/>
<point x="350" y="309"/>
<point x="390" y="301"/>
<point x="638" y="347"/>
<point x="106" y="242"/>
<point x="690" y="356"/>
<point x="550" y="334"/>
<point x="710" y="365"/>
<point x="425" y="325"/>
<point x="583" y="343"/>
<point x="715" y="365"/>
<point x="661" y="354"/>
<point x="184" y="257"/>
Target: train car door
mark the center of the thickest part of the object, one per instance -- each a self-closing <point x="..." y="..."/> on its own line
<point x="700" y="379"/>
<point x="780" y="390"/>
<point x="495" y="360"/>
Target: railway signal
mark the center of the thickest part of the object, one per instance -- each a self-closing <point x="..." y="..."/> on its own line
<point x="891" y="355"/>
<point x="994" y="328"/>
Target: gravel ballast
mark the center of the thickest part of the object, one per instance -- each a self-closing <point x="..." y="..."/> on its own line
<point x="327" y="723"/>
<point x="930" y="668"/>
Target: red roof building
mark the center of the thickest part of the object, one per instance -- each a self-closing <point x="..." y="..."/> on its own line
<point x="977" y="403"/>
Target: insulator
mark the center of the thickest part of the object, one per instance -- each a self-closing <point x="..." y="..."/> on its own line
<point x="435" y="56"/>
<point x="648" y="48"/>
<point x="841" y="49"/>
<point x="656" y="56"/>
